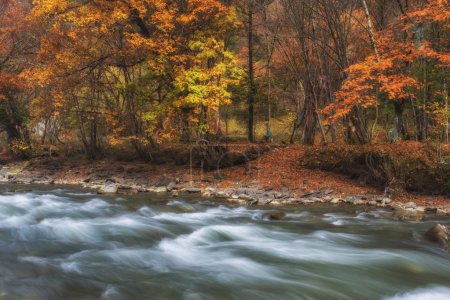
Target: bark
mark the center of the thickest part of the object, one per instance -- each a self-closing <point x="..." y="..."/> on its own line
<point x="370" y="30"/>
<point x="251" y="79"/>
<point x="400" y="123"/>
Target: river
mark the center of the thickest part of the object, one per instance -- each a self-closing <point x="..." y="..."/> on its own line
<point x="66" y="243"/>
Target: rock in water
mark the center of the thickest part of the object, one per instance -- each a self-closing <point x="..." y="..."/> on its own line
<point x="408" y="214"/>
<point x="274" y="215"/>
<point x="108" y="189"/>
<point x="439" y="234"/>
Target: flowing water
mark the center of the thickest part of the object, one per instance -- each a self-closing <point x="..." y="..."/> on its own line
<point x="70" y="244"/>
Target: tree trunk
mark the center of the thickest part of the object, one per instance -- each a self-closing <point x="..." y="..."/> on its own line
<point x="251" y="75"/>
<point x="370" y="30"/>
<point x="399" y="121"/>
<point x="446" y="129"/>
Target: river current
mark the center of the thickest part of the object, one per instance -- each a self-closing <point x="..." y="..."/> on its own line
<point x="65" y="243"/>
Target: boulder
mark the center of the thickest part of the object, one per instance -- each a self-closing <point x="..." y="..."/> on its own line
<point x="439" y="234"/>
<point x="108" y="189"/>
<point x="408" y="214"/>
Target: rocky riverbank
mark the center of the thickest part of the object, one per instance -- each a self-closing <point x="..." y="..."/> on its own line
<point x="120" y="178"/>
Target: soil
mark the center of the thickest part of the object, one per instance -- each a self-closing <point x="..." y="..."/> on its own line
<point x="277" y="170"/>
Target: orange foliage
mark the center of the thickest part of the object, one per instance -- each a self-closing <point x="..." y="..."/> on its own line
<point x="389" y="76"/>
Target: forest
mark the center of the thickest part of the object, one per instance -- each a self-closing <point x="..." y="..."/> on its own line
<point x="98" y="76"/>
<point x="225" y="149"/>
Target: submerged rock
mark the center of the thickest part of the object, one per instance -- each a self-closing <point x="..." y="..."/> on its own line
<point x="439" y="234"/>
<point x="274" y="215"/>
<point x="127" y="191"/>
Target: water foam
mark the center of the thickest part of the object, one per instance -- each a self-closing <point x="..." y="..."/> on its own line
<point x="428" y="293"/>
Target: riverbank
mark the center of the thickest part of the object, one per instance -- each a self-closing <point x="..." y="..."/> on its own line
<point x="275" y="178"/>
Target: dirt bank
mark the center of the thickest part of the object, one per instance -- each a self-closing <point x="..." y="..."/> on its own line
<point x="275" y="178"/>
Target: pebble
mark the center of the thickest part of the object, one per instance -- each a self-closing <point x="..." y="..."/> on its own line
<point x="243" y="195"/>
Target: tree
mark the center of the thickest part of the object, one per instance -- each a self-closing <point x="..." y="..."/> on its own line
<point x="115" y="67"/>
<point x="16" y="47"/>
<point x="392" y="73"/>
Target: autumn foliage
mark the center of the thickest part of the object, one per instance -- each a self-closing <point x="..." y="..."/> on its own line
<point x="413" y="166"/>
<point x="94" y="75"/>
<point x="398" y="71"/>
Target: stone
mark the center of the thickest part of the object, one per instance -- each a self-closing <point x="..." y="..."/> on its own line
<point x="291" y="200"/>
<point x="159" y="189"/>
<point x="442" y="212"/>
<point x="350" y="199"/>
<point x="439" y="234"/>
<point x="277" y="195"/>
<point x="383" y="200"/>
<point x="359" y="202"/>
<point x="108" y="189"/>
<point x="211" y="189"/>
<point x="237" y="201"/>
<point x="192" y="190"/>
<point x="336" y="200"/>
<point x="410" y="205"/>
<point x="421" y="209"/>
<point x="386" y="200"/>
<point x="408" y="214"/>
<point x="307" y="201"/>
<point x="221" y="194"/>
<point x="274" y="215"/>
<point x="327" y="199"/>
<point x="130" y="191"/>
<point x="124" y="186"/>
<point x="268" y="202"/>
<point x="171" y="186"/>
<point x="206" y="194"/>
<point x="431" y="210"/>
<point x="244" y="197"/>
<point x="253" y="202"/>
<point x="242" y="190"/>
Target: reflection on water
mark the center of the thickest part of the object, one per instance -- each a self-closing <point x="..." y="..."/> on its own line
<point x="68" y="244"/>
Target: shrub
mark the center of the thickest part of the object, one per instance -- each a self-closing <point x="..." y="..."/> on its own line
<point x="411" y="166"/>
